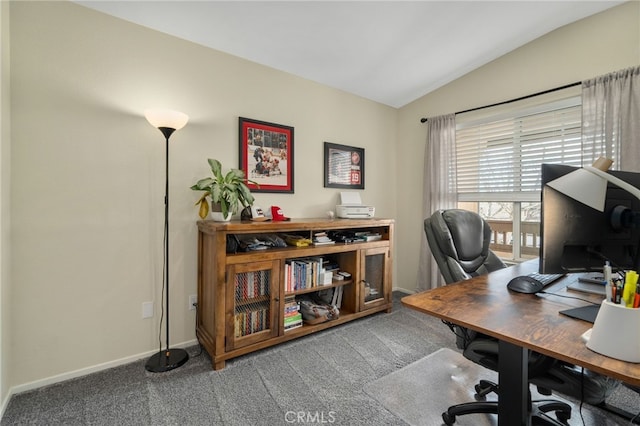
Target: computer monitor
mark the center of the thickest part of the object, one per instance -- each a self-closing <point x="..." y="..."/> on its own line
<point x="577" y="238"/>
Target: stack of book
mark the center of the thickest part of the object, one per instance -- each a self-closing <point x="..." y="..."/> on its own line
<point x="292" y="315"/>
<point x="367" y="236"/>
<point x="321" y="239"/>
<point x="341" y="276"/>
<point x="330" y="265"/>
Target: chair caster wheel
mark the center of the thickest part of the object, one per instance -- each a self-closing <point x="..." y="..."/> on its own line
<point x="484" y="388"/>
<point x="481" y="393"/>
<point x="448" y="419"/>
<point x="563" y="416"/>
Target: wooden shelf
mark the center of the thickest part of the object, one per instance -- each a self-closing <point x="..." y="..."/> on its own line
<point x="252" y="301"/>
<point x="220" y="272"/>
<point x="334" y="284"/>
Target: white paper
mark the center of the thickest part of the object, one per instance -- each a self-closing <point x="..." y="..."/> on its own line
<point x="350" y="199"/>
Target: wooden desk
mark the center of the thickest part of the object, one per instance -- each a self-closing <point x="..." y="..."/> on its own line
<point x="521" y="322"/>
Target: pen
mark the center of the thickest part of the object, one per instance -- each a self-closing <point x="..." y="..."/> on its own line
<point x="614" y="289"/>
<point x="607" y="278"/>
<point x="618" y="296"/>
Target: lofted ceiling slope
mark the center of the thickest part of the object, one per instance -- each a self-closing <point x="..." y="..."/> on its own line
<point x="391" y="52"/>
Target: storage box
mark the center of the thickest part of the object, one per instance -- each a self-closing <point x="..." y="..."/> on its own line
<point x="326" y="278"/>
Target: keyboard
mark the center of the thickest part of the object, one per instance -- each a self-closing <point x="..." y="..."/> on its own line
<point x="545" y="279"/>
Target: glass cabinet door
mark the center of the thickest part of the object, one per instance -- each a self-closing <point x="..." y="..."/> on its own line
<point x="373" y="276"/>
<point x="251" y="290"/>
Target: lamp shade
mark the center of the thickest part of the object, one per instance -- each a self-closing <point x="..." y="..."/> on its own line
<point x="588" y="185"/>
<point x="166" y="118"/>
<point x="584" y="186"/>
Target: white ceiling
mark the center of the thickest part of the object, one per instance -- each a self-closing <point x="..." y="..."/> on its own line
<point x="391" y="52"/>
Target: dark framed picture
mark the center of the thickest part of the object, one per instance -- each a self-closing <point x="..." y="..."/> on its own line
<point x="343" y="166"/>
<point x="266" y="155"/>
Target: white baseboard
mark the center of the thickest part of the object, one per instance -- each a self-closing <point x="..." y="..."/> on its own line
<point x="82" y="372"/>
<point x="4" y="404"/>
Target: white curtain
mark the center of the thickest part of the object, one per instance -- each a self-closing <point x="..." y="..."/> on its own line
<point x="439" y="188"/>
<point x="611" y="119"/>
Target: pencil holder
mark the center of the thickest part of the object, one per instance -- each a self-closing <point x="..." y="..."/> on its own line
<point x="616" y="332"/>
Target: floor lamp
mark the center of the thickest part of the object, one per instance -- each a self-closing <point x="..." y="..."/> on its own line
<point x="167" y="122"/>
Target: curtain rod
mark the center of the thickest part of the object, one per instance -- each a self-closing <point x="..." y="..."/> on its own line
<point x="566" y="86"/>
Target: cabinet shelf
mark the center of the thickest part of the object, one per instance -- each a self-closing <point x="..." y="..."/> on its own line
<point x="241" y="296"/>
<point x="291" y="252"/>
<point x="334" y="284"/>
<point x="258" y="300"/>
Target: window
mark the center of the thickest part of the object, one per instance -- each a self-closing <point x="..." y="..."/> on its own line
<point x="498" y="168"/>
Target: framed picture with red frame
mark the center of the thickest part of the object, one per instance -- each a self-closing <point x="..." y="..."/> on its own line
<point x="343" y="166"/>
<point x="266" y="155"/>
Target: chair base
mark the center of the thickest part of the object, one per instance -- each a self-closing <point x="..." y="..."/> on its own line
<point x="538" y="408"/>
<point x="539" y="412"/>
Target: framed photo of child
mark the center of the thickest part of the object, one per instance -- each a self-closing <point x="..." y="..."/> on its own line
<point x="343" y="166"/>
<point x="266" y="155"/>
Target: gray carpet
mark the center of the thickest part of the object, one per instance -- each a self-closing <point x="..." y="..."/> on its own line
<point x="403" y="392"/>
<point x="317" y="379"/>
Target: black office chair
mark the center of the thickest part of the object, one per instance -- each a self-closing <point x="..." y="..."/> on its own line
<point x="459" y="241"/>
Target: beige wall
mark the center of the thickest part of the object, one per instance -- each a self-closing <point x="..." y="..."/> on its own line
<point x="594" y="46"/>
<point x="87" y="170"/>
<point x="88" y="175"/>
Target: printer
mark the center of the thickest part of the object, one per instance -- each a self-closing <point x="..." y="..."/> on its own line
<point x="351" y="207"/>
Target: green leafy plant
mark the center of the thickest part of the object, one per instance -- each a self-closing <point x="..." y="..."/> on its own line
<point x="229" y="190"/>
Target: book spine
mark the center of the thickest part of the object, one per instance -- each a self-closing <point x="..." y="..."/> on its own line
<point x="293" y="318"/>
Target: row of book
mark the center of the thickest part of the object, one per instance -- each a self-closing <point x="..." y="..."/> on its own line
<point x="251" y="321"/>
<point x="249" y="285"/>
<point x="292" y="315"/>
<point x="303" y="273"/>
<point x="300" y="274"/>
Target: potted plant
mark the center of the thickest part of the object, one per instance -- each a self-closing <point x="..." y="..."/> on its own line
<point x="227" y="192"/>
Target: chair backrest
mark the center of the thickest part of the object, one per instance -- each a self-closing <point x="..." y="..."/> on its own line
<point x="459" y="241"/>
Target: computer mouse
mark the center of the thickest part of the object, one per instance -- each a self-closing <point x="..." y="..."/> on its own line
<point x="525" y="284"/>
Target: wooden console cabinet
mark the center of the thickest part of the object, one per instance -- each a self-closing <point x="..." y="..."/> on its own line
<point x="241" y="295"/>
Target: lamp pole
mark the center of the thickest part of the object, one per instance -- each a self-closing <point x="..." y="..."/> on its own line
<point x="168" y="359"/>
<point x="166" y="131"/>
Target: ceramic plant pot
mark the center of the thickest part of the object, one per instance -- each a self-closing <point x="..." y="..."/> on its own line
<point x="217" y="215"/>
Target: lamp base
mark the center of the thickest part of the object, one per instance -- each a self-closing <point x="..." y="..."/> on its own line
<point x="167" y="360"/>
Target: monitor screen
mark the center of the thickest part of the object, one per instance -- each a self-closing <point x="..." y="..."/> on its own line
<point x="577" y="238"/>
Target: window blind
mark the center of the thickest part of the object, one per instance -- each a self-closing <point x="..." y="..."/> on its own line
<point x="499" y="158"/>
